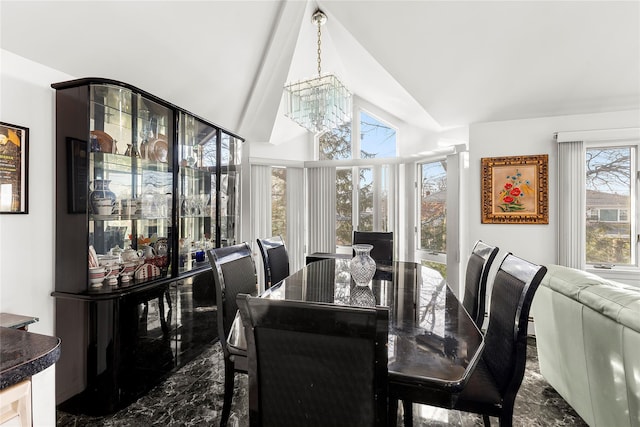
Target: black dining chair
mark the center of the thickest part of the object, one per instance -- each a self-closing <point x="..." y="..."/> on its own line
<point x="234" y="272"/>
<point x="475" y="285"/>
<point x="314" y="364"/>
<point x="275" y="260"/>
<point x="382" y="242"/>
<point x="494" y="383"/>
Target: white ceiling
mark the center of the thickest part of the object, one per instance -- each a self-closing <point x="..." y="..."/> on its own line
<point x="436" y="65"/>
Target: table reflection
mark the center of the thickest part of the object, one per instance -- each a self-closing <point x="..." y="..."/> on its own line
<point x="432" y="340"/>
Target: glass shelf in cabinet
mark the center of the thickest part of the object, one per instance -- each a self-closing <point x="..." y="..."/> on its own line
<point x="105" y="217"/>
<point x="155" y="165"/>
<point x="115" y="115"/>
<point x="111" y="161"/>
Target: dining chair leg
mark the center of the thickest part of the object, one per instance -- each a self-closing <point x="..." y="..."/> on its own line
<point x="407" y="407"/>
<point x="487" y="420"/>
<point x="229" y="375"/>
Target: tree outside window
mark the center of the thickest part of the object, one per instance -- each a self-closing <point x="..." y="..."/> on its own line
<point x="279" y="202"/>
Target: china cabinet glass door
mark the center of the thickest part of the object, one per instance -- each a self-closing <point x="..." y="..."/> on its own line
<point x="198" y="154"/>
<point x="131" y="182"/>
<point x="229" y="185"/>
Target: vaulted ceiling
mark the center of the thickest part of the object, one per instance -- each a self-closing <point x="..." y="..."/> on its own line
<point x="435" y="65"/>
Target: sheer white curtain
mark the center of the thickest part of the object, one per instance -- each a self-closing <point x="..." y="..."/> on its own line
<point x="571" y="215"/>
<point x="295" y="218"/>
<point x="260" y="212"/>
<point x="321" y="202"/>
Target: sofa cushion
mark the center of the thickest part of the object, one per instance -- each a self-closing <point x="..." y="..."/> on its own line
<point x="617" y="301"/>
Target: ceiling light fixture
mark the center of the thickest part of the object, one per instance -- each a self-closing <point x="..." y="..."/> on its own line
<point x="322" y="103"/>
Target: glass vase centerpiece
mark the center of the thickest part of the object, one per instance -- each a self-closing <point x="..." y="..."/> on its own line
<point x="362" y="267"/>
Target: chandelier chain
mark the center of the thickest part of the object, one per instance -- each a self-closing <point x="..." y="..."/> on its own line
<point x="322" y="103"/>
<point x="319" y="46"/>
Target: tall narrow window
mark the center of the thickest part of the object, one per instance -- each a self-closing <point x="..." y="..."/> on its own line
<point x="432" y="227"/>
<point x="610" y="196"/>
<point x="344" y="206"/>
<point x="279" y="202"/>
<point x="365" y="200"/>
<point x="362" y="191"/>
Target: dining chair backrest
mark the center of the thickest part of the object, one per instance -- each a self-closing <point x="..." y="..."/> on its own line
<point x="475" y="286"/>
<point x="275" y="259"/>
<point x="315" y="364"/>
<point x="382" y="242"/>
<point x="505" y="349"/>
<point x="234" y="272"/>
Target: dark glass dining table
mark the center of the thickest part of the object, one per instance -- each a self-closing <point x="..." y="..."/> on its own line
<point x="433" y="343"/>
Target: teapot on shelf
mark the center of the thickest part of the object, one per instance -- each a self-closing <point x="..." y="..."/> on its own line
<point x="116" y="251"/>
<point x="148" y="252"/>
<point x="131" y="255"/>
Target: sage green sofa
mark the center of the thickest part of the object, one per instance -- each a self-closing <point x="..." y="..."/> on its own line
<point x="588" y="338"/>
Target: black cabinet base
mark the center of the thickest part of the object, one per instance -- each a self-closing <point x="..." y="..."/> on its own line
<point x="137" y="341"/>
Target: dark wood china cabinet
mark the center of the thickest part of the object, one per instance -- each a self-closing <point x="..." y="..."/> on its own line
<point x="143" y="188"/>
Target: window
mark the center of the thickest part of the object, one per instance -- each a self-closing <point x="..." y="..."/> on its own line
<point x="344" y="206"/>
<point x="362" y="192"/>
<point x="610" y="183"/>
<point x="373" y="199"/>
<point x="377" y="139"/>
<point x="279" y="202"/>
<point x="365" y="200"/>
<point x="432" y="215"/>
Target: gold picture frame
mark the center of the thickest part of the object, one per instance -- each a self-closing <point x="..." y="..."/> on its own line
<point x="515" y="190"/>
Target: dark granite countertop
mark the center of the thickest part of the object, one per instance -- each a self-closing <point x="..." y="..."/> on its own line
<point x="23" y="354"/>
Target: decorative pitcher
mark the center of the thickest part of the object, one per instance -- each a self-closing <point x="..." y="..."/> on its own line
<point x="101" y="191"/>
<point x="363" y="267"/>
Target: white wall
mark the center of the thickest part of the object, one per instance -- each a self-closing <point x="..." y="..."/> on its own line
<point x="26" y="241"/>
<point x="534" y="242"/>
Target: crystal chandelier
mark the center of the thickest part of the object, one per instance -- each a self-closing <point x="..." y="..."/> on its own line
<point x="322" y="103"/>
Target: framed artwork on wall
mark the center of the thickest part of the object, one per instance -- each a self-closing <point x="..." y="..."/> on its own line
<point x="14" y="162"/>
<point x="515" y="190"/>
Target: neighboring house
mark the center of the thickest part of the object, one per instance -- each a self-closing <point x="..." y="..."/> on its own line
<point x="612" y="209"/>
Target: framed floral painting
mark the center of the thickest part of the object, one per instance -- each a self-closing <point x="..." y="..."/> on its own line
<point x="515" y="190"/>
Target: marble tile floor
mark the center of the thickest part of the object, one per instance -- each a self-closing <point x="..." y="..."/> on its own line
<point x="193" y="397"/>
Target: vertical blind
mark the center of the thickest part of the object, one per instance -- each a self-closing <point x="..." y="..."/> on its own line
<point x="571" y="215"/>
<point x="321" y="203"/>
<point x="295" y="218"/>
<point x="260" y="211"/>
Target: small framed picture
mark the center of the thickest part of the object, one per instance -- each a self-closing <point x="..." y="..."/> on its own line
<point x="515" y="190"/>
<point x="14" y="163"/>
